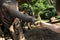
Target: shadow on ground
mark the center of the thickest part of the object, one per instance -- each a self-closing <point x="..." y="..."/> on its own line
<point x="41" y="34"/>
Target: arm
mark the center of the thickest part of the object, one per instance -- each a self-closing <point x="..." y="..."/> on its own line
<point x="51" y="27"/>
<point x="19" y="15"/>
<point x="16" y="13"/>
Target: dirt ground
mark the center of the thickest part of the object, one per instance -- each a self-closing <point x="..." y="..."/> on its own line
<point x="41" y="34"/>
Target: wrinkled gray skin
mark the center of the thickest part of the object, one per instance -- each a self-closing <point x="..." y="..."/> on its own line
<point x="9" y="10"/>
<point x="11" y="6"/>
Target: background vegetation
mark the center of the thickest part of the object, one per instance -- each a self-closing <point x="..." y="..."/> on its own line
<point x="41" y="8"/>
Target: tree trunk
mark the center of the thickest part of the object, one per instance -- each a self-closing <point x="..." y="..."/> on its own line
<point x="58" y="7"/>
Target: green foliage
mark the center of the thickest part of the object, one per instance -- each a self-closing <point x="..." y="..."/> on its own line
<point x="58" y="17"/>
<point x="23" y="6"/>
<point x="38" y="6"/>
<point x="48" y="14"/>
